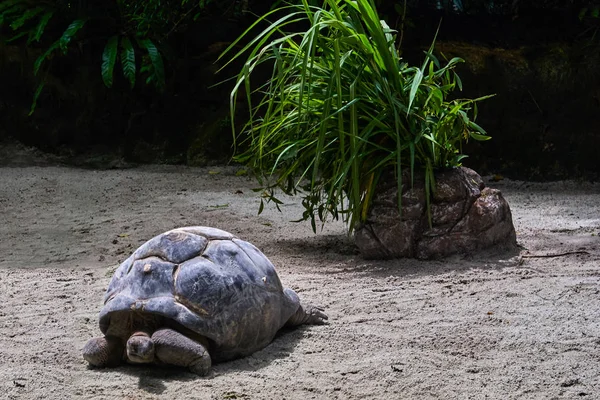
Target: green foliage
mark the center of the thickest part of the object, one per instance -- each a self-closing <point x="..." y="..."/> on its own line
<point x="154" y="68"/>
<point x="109" y="57"/>
<point x="128" y="60"/>
<point x="17" y="13"/>
<point x="61" y="44"/>
<point x="341" y="108"/>
<point x="135" y="28"/>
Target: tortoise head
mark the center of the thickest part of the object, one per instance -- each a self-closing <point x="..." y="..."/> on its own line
<point x="140" y="348"/>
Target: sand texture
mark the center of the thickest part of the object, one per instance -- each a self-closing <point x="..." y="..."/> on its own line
<point x="520" y="325"/>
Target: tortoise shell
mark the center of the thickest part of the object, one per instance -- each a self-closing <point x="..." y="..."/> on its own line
<point x="203" y="279"/>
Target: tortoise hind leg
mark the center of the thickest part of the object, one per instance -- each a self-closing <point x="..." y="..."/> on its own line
<point x="306" y="313"/>
<point x="174" y="348"/>
<point x="103" y="351"/>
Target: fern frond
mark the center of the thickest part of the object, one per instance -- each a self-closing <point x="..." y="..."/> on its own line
<point x="39" y="30"/>
<point x="38" y="62"/>
<point x="17" y="36"/>
<point x="69" y="33"/>
<point x="36" y="96"/>
<point x="26" y="16"/>
<point x="157" y="62"/>
<point x="9" y="13"/>
<point x="128" y="60"/>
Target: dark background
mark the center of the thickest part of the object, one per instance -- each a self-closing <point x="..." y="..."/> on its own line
<point x="540" y="58"/>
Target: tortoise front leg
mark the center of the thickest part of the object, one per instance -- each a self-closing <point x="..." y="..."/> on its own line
<point x="174" y="348"/>
<point x="103" y="351"/>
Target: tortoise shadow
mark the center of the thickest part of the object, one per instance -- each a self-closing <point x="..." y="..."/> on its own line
<point x="280" y="348"/>
<point x="151" y="378"/>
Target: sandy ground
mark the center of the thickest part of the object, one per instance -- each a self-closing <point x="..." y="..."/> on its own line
<point x="491" y="325"/>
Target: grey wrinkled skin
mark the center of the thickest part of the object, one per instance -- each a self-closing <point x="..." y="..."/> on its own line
<point x="206" y="284"/>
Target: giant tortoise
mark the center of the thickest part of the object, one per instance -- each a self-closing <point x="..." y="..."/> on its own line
<point x="192" y="296"/>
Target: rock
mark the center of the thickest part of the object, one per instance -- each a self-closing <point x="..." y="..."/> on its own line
<point x="466" y="217"/>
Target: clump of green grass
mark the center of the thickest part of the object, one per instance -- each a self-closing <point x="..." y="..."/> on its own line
<point x="341" y="107"/>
